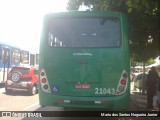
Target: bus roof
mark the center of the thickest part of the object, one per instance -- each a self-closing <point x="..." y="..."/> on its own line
<point x="85" y="13"/>
<point x="9" y="45"/>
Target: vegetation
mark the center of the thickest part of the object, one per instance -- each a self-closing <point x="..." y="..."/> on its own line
<point x="144" y="22"/>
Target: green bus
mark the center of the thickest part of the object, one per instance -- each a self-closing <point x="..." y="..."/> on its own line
<point x="84" y="60"/>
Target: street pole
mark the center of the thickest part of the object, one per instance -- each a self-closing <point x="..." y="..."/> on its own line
<point x="143" y="77"/>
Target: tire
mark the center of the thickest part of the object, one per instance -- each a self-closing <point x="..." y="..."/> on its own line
<point x="33" y="90"/>
<point x="16" y="76"/>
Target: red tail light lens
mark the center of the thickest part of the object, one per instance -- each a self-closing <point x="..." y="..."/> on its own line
<point x="123" y="82"/>
<point x="44" y="80"/>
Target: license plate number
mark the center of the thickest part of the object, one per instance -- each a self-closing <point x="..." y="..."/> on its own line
<point x="83" y="86"/>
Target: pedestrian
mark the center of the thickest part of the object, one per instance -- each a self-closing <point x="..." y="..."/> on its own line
<point x="152" y="79"/>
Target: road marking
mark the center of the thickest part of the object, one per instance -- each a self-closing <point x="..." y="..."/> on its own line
<point x="32" y="105"/>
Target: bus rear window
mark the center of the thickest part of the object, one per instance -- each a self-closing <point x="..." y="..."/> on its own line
<point x="15" y="55"/>
<point x="24" y="56"/>
<point x="21" y="70"/>
<point x="84" y="32"/>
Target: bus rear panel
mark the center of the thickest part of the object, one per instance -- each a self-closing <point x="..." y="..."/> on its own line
<point x="84" y="60"/>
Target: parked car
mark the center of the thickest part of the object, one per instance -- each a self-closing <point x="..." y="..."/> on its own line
<point x="22" y="79"/>
<point x="138" y="81"/>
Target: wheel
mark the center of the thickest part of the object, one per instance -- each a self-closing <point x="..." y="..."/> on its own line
<point x="16" y="76"/>
<point x="33" y="90"/>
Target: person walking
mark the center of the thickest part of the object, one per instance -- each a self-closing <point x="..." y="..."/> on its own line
<point x="152" y="79"/>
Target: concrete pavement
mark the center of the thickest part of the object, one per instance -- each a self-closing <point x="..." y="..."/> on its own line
<point x="139" y="99"/>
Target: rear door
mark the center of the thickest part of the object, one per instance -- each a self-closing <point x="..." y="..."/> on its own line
<point x="6" y="63"/>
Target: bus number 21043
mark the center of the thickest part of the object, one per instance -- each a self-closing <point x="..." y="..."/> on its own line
<point x="103" y="91"/>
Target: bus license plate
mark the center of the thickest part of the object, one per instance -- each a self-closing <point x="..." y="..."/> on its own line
<point x="83" y="86"/>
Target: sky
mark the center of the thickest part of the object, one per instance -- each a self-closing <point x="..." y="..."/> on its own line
<point x="21" y="21"/>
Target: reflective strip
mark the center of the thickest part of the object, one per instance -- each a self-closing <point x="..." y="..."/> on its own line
<point x="67" y="101"/>
<point x="97" y="102"/>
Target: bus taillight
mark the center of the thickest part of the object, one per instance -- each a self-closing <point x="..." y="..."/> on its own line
<point x="44" y="82"/>
<point x="122" y="85"/>
<point x="123" y="82"/>
<point x="42" y="73"/>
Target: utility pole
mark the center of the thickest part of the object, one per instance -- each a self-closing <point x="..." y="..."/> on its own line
<point x="143" y="79"/>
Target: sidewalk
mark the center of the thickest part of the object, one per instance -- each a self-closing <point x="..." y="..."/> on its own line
<point x="139" y="99"/>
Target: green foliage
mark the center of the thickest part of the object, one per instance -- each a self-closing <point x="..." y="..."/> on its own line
<point x="140" y="28"/>
<point x="74" y="4"/>
<point x="143" y="6"/>
<point x="144" y="22"/>
<point x="100" y="5"/>
<point x="150" y="61"/>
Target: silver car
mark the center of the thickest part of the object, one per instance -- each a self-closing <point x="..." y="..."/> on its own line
<point x="138" y="81"/>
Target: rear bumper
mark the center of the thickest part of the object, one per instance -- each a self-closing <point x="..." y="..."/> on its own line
<point x="22" y="86"/>
<point x="17" y="89"/>
<point x="116" y="102"/>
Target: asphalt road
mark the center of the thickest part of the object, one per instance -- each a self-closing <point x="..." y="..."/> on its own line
<point x="20" y="101"/>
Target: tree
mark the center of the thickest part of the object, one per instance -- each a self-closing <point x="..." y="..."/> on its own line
<point x="144" y="29"/>
<point x="144" y="22"/>
<point x="103" y="5"/>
